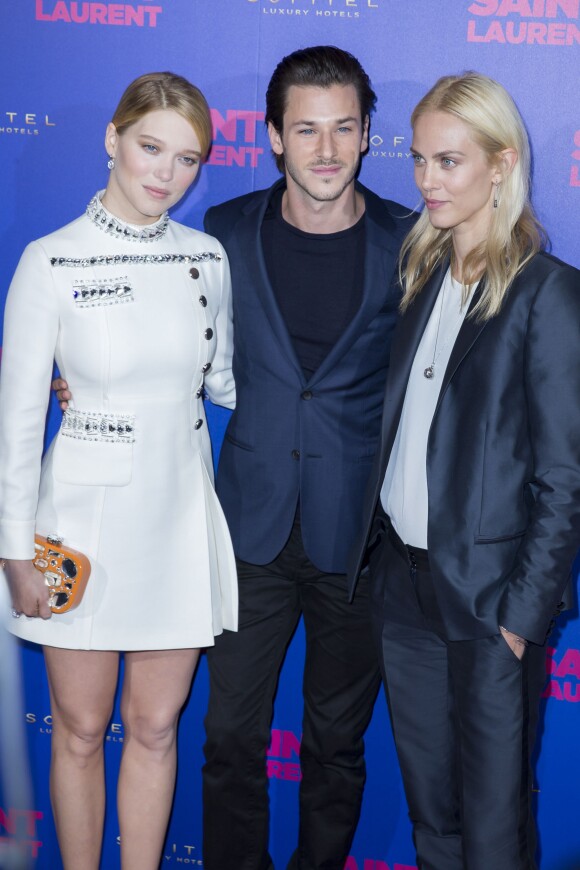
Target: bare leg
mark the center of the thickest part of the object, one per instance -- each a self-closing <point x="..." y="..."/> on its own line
<point x="155" y="687"/>
<point x="82" y="689"/>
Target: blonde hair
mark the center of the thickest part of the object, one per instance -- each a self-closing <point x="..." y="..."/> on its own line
<point x="515" y="234"/>
<point x="165" y="90"/>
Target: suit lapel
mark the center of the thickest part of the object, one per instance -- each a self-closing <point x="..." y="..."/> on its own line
<point x="470" y="331"/>
<point x="405" y="343"/>
<point x="250" y="239"/>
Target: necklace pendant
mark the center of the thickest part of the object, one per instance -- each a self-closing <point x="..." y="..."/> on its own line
<point x="429" y="372"/>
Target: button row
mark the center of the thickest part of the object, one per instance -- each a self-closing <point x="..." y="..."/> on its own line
<point x="208" y="334"/>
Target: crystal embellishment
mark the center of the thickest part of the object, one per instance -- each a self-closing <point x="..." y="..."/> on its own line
<point x="135" y="259"/>
<point x="107" y="222"/>
<point x="97" y="426"/>
<point x="88" y="294"/>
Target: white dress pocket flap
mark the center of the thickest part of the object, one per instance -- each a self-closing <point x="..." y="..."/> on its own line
<point x="92" y="463"/>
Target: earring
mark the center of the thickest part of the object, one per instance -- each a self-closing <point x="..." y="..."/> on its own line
<point x="111" y="163"/>
<point x="496" y="195"/>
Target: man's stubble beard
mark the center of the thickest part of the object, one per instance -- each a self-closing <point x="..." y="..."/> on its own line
<point x="317" y="195"/>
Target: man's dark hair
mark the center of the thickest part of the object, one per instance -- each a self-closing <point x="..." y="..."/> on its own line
<point x="319" y="66"/>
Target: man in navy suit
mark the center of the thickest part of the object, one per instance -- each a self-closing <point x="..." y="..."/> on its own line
<point x="315" y="298"/>
<point x="313" y="262"/>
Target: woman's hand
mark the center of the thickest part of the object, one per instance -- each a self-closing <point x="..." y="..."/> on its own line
<point x="516" y="643"/>
<point x="28" y="590"/>
<point x="60" y="386"/>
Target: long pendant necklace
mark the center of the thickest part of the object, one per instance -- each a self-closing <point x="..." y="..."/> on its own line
<point x="429" y="372"/>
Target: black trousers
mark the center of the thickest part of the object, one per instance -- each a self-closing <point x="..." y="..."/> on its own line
<point x="464" y="715"/>
<point x="340" y="684"/>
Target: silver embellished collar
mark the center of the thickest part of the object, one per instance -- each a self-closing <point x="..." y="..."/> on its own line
<point x="104" y="220"/>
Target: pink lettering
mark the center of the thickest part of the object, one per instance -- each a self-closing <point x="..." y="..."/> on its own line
<point x="576" y="154"/>
<point x="572" y="34"/>
<point x="229" y="155"/>
<point x="495" y="33"/>
<point x="570" y="8"/>
<point x="60" y="12"/>
<point x="274" y="769"/>
<point x="472" y="36"/>
<point x="116" y="13"/>
<point x="10" y="821"/>
<point x="136" y="16"/>
<point x="287" y="770"/>
<point x="290" y="745"/>
<point x="530" y="32"/>
<point x="98" y="13"/>
<point x="537" y="33"/>
<point x="574" y="177"/>
<point x="510" y="32"/>
<point x="526" y="8"/>
<point x="152" y="12"/>
<point x="226" y="127"/>
<point x="292" y="771"/>
<point x="79" y="18"/>
<point x="483" y="7"/>
<point x="40" y="15"/>
<point x="33" y="845"/>
<point x="570" y="664"/>
<point x="553" y="690"/>
<point x="571" y="691"/>
<point x="515" y="7"/>
<point x="217" y="155"/>
<point x="250" y="120"/>
<point x="275" y="747"/>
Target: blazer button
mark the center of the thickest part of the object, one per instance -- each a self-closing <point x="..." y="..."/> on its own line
<point x="202" y="300"/>
<point x="206" y="368"/>
<point x="198" y="424"/>
<point x="208" y="334"/>
<point x="295" y="454"/>
<point x="200" y="393"/>
<point x="307" y="394"/>
<point x="194" y="272"/>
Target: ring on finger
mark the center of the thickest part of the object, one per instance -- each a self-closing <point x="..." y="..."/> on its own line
<point x="16" y="614"/>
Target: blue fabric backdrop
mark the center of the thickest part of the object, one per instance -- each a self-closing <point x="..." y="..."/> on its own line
<point x="63" y="67"/>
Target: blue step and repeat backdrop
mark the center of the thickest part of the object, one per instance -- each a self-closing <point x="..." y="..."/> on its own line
<point x="63" y="66"/>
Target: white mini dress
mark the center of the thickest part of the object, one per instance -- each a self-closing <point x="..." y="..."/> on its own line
<point x="138" y="320"/>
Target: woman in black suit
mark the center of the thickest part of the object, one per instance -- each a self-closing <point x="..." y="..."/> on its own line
<point x="474" y="506"/>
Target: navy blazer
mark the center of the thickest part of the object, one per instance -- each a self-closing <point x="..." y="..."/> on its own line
<point x="292" y="439"/>
<point x="503" y="455"/>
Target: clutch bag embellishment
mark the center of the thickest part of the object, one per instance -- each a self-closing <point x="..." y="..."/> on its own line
<point x="65" y="571"/>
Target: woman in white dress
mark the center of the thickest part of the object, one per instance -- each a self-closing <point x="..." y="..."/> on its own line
<point x="136" y="310"/>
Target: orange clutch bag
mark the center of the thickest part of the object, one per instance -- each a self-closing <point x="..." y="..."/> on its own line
<point x="65" y="572"/>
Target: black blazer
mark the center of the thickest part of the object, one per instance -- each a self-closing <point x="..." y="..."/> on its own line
<point x="290" y="438"/>
<point x="503" y="455"/>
